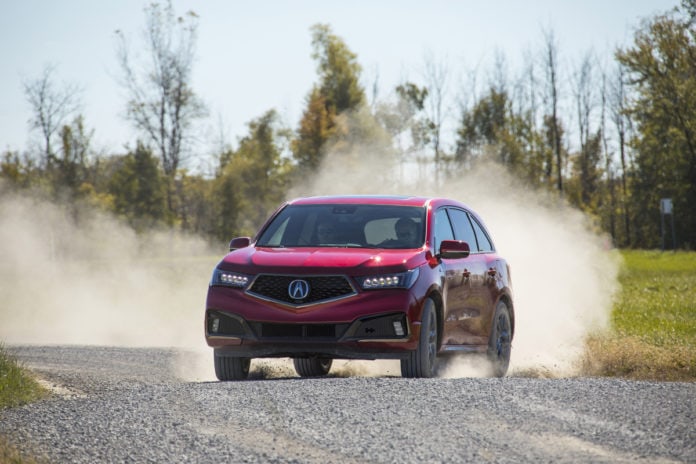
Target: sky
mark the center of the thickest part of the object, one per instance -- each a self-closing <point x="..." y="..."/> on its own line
<point x="254" y="56"/>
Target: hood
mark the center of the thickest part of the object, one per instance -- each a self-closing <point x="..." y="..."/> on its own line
<point x="350" y="261"/>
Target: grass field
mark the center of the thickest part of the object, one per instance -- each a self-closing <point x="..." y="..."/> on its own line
<point x="653" y="333"/>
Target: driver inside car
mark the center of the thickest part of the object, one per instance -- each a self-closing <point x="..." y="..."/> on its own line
<point x="406" y="233"/>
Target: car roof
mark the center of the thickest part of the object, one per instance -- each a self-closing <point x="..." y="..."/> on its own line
<point x="401" y="200"/>
<point x="404" y="200"/>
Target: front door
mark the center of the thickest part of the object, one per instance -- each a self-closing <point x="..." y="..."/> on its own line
<point x="468" y="299"/>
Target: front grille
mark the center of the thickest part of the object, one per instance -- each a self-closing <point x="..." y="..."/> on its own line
<point x="300" y="331"/>
<point x="321" y="288"/>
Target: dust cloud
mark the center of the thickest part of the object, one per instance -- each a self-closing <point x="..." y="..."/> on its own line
<point x="84" y="277"/>
<point x="564" y="272"/>
<point x="77" y="276"/>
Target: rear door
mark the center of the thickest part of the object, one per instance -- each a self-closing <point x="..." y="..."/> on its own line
<point x="493" y="267"/>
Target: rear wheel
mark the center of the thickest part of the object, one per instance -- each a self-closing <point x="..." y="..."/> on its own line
<point x="312" y="367"/>
<point x="500" y="342"/>
<point x="422" y="361"/>
<point x="228" y="368"/>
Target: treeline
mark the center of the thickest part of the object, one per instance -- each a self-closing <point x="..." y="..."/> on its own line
<point x="613" y="138"/>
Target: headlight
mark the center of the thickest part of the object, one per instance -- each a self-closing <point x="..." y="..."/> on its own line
<point x="401" y="280"/>
<point x="229" y="279"/>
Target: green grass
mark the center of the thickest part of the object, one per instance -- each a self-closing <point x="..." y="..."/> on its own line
<point x="658" y="300"/>
<point x="17" y="387"/>
<point x="653" y="322"/>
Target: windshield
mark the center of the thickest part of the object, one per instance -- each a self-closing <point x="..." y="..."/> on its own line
<point x="355" y="226"/>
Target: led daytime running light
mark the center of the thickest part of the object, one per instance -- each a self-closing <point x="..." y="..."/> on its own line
<point x="381" y="282"/>
<point x="401" y="280"/>
<point x="229" y="279"/>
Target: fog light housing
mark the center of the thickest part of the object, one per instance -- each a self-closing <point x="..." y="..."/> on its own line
<point x="398" y="328"/>
<point x="215" y="325"/>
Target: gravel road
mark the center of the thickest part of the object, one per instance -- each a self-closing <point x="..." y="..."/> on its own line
<point x="127" y="405"/>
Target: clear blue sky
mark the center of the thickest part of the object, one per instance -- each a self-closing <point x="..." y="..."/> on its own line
<point x="253" y="56"/>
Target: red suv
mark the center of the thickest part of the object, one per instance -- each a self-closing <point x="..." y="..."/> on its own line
<point x="361" y="277"/>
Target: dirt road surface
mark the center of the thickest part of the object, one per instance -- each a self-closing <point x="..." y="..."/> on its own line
<point x="131" y="405"/>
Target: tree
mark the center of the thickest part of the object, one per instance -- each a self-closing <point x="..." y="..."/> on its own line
<point x="316" y="126"/>
<point x="587" y="174"/>
<point x="339" y="71"/>
<point x="161" y="102"/>
<point x="51" y="107"/>
<point x="411" y="101"/>
<point x="16" y="170"/>
<point x="661" y="65"/>
<point x="551" y="119"/>
<point x="253" y="178"/>
<point x="586" y="165"/>
<point x="608" y="204"/>
<point x="436" y="85"/>
<point x="138" y="189"/>
<point x="75" y="149"/>
<point x="620" y="118"/>
<point x="196" y="204"/>
<point x="338" y="91"/>
<point x="492" y="129"/>
<point x="482" y="125"/>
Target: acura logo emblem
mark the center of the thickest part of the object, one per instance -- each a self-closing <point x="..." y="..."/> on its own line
<point x="298" y="289"/>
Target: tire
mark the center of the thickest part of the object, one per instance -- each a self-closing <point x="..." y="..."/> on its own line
<point x="228" y="368"/>
<point x="500" y="342"/>
<point x="312" y="367"/>
<point x="422" y="362"/>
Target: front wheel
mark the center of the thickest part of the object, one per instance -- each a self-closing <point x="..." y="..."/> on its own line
<point x="500" y="342"/>
<point x="312" y="367"/>
<point x="422" y="361"/>
<point x="228" y="368"/>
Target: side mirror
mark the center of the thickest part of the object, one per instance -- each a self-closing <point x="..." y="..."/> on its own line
<point x="454" y="249"/>
<point x="239" y="242"/>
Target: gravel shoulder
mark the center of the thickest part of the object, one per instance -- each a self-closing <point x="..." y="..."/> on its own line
<point x="129" y="405"/>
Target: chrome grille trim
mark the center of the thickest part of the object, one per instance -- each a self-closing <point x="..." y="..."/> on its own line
<point x="350" y="289"/>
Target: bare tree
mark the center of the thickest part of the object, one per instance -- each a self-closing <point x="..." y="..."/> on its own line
<point x="467" y="100"/>
<point x="161" y="102"/>
<point x="552" y="98"/>
<point x="583" y="86"/>
<point x="532" y="87"/>
<point x="436" y="74"/>
<point x="618" y="107"/>
<point x="584" y="97"/>
<point x="499" y="73"/>
<point x="608" y="162"/>
<point x="52" y="105"/>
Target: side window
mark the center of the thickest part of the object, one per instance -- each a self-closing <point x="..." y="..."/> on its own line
<point x="483" y="240"/>
<point x="462" y="227"/>
<point x="443" y="228"/>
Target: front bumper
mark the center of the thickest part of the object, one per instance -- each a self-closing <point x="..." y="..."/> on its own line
<point x="388" y="335"/>
<point x="372" y="324"/>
